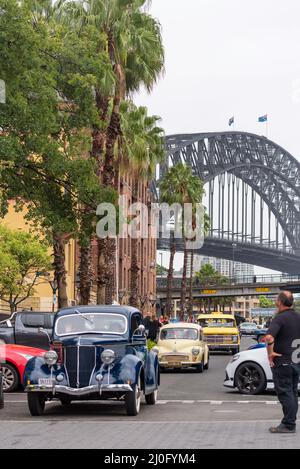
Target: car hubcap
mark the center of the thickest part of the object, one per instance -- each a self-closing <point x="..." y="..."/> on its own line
<point x="8" y="379"/>
<point x="249" y="379"/>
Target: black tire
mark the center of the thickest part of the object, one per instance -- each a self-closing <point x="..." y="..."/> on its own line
<point x="133" y="400"/>
<point x="250" y="379"/>
<point x="11" y="380"/>
<point x="206" y="367"/>
<point x="65" y="402"/>
<point x="151" y="399"/>
<point x="234" y="351"/>
<point x="36" y="403"/>
<point x="200" y="367"/>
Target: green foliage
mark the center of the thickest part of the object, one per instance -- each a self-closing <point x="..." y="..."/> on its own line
<point x="22" y="258"/>
<point x="151" y="344"/>
<point x="141" y="144"/>
<point x="161" y="270"/>
<point x="265" y="302"/>
<point x="207" y="275"/>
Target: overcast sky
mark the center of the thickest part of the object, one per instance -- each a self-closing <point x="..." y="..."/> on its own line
<point x="230" y="57"/>
<point x="225" y="58"/>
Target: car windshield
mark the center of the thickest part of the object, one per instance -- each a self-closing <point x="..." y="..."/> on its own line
<point x="209" y="322"/>
<point x="91" y="323"/>
<point x="248" y="325"/>
<point x="179" y="334"/>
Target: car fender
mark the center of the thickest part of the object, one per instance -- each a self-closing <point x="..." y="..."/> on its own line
<point x="129" y="369"/>
<point x="36" y="368"/>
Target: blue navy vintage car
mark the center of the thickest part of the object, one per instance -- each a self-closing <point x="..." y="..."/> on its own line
<point x="97" y="353"/>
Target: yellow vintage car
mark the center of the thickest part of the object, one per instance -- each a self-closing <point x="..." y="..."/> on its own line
<point x="220" y="331"/>
<point x="181" y="345"/>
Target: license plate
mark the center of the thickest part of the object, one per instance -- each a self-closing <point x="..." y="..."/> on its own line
<point x="46" y="382"/>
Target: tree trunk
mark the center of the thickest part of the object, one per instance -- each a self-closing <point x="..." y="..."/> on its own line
<point x="190" y="305"/>
<point x="183" y="285"/>
<point x="109" y="173"/>
<point x="110" y="265"/>
<point x="60" y="273"/>
<point x="101" y="274"/>
<point x="134" y="268"/>
<point x="85" y="274"/>
<point x="169" y="308"/>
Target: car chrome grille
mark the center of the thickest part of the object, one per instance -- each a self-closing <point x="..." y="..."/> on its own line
<point x="218" y="339"/>
<point x="175" y="358"/>
<point x="80" y="363"/>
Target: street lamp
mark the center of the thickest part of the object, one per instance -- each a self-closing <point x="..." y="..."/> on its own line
<point x="54" y="287"/>
<point x="53" y="284"/>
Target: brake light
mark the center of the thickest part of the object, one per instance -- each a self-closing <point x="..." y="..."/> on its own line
<point x="58" y="348"/>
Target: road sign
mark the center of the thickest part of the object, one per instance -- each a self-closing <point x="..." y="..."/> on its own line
<point x="262" y="290"/>
<point x="209" y="292"/>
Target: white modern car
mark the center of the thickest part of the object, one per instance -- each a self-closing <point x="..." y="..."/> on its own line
<point x="250" y="372"/>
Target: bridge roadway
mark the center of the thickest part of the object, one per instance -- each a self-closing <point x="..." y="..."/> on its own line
<point x="233" y="289"/>
<point x="248" y="253"/>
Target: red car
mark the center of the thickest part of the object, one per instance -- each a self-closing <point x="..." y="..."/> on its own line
<point x="13" y="359"/>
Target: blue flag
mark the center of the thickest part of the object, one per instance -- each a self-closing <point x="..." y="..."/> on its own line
<point x="263" y="118"/>
<point x="231" y="121"/>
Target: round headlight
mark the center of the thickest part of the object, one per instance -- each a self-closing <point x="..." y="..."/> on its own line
<point x="51" y="358"/>
<point x="108" y="357"/>
<point x="195" y="351"/>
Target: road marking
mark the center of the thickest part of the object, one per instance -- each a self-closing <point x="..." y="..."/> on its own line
<point x="128" y="421"/>
<point x="164" y="402"/>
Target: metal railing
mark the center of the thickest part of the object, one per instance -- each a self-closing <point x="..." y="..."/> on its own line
<point x="237" y="280"/>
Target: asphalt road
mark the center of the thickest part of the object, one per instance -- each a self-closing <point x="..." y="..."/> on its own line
<point x="194" y="411"/>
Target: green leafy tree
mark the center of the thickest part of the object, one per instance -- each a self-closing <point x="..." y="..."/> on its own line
<point x="180" y="186"/>
<point x="265" y="302"/>
<point x="208" y="277"/>
<point x="132" y="40"/>
<point x="141" y="147"/>
<point x="22" y="259"/>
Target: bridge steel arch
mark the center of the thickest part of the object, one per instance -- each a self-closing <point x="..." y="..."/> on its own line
<point x="269" y="170"/>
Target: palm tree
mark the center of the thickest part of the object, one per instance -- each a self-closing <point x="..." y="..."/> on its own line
<point x="191" y="280"/>
<point x="135" y="52"/>
<point x="208" y="276"/>
<point x="141" y="147"/>
<point x="180" y="186"/>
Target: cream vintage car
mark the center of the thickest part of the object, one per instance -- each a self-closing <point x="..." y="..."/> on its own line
<point x="181" y="345"/>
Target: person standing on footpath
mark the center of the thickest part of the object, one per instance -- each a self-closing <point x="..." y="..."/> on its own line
<point x="281" y="339"/>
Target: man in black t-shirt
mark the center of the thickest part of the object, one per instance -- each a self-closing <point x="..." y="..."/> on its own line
<point x="282" y="337"/>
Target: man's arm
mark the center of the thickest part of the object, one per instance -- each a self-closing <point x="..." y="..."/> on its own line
<point x="273" y="331"/>
<point x="270" y="340"/>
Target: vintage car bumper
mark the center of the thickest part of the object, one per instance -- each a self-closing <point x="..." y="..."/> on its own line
<point x="223" y="346"/>
<point x="177" y="361"/>
<point x="86" y="391"/>
<point x="177" y="364"/>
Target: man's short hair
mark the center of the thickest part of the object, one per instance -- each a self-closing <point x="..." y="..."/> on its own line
<point x="286" y="299"/>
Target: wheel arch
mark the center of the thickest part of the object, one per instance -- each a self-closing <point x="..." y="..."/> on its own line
<point x="251" y="362"/>
<point x="14" y="366"/>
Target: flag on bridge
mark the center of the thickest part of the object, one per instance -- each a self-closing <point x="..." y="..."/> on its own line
<point x="263" y="118"/>
<point x="231" y="121"/>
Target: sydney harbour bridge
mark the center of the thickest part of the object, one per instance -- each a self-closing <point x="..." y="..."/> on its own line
<point x="252" y="196"/>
